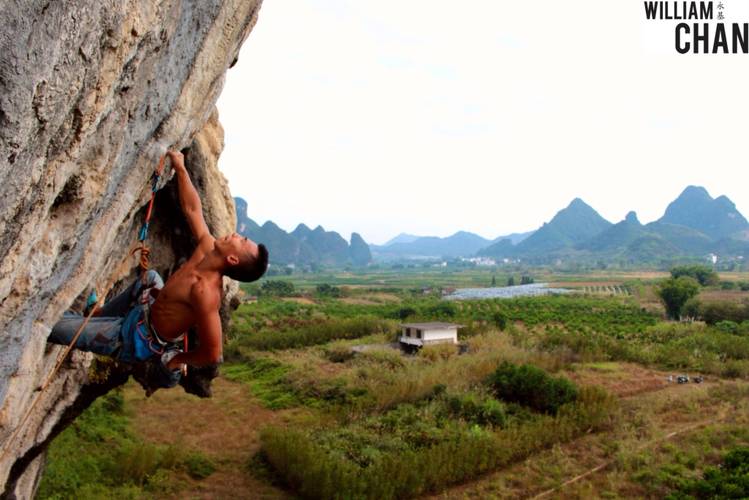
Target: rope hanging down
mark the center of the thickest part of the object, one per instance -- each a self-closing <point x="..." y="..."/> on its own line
<point x="144" y="264"/>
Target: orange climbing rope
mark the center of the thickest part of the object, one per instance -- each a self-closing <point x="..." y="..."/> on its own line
<point x="144" y="265"/>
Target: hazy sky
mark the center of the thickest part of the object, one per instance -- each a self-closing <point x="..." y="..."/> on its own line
<point x="429" y="116"/>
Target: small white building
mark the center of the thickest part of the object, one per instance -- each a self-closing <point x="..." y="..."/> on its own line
<point x="421" y="334"/>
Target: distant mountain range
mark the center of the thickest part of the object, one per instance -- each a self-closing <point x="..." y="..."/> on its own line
<point x="693" y="226"/>
<point x="460" y="244"/>
<point x="303" y="246"/>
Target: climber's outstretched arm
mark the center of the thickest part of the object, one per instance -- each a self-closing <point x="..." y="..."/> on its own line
<point x="189" y="199"/>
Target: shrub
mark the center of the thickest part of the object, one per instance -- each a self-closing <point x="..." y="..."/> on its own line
<point x="713" y="312"/>
<point x="383" y="358"/>
<point x="530" y="386"/>
<point x="277" y="288"/>
<point x="436" y="352"/>
<point x="404" y="312"/>
<point x="727" y="481"/>
<point x="727" y="285"/>
<point x="135" y="462"/>
<point x="199" y="466"/>
<point x="727" y="327"/>
<point x="326" y="290"/>
<point x="339" y="353"/>
<point x="437" y="391"/>
<point x="476" y="408"/>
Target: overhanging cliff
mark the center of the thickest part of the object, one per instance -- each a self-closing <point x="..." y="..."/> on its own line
<point x="91" y="94"/>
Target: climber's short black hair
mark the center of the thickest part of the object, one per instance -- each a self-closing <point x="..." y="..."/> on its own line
<point x="249" y="268"/>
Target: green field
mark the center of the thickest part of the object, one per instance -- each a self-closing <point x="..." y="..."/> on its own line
<point x="553" y="386"/>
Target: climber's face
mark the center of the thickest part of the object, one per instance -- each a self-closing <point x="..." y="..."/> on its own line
<point x="235" y="248"/>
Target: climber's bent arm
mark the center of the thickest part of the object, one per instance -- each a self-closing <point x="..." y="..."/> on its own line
<point x="189" y="200"/>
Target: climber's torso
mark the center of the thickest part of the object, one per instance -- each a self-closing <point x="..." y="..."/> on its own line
<point x="187" y="293"/>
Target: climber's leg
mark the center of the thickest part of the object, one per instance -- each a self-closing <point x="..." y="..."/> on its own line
<point x="122" y="303"/>
<point x="101" y="335"/>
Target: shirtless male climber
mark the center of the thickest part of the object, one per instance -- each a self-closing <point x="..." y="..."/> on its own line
<point x="150" y="317"/>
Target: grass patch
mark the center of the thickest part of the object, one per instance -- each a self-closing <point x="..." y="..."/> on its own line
<point x="604" y="366"/>
<point x="278" y="385"/>
<point x="266" y="379"/>
<point x="198" y="466"/>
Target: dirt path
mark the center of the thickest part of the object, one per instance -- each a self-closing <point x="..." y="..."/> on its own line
<point x="224" y="428"/>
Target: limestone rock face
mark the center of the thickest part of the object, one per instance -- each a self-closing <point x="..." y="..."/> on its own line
<point x="92" y="92"/>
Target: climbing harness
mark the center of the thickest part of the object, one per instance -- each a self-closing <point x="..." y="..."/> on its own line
<point x="144" y="265"/>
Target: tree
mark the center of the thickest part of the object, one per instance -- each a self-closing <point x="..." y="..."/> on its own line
<point x="511" y="281"/>
<point x="527" y="280"/>
<point x="494" y="281"/>
<point x="704" y="274"/>
<point x="405" y="312"/>
<point x="675" y="292"/>
<point x="443" y="309"/>
<point x="500" y="320"/>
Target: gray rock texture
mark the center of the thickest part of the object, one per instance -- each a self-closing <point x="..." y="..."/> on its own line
<point x="92" y="92"/>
